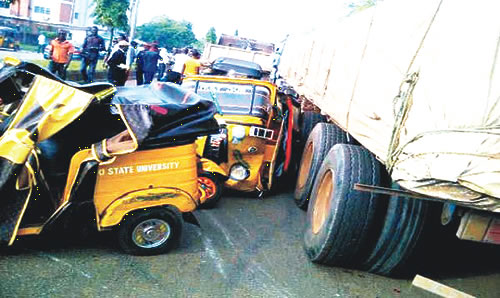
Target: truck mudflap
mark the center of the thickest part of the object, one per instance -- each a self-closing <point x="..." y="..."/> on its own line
<point x="480" y="227"/>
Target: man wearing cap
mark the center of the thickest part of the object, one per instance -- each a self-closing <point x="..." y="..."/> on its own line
<point x="61" y="52"/>
<point x="118" y="70"/>
<point x="150" y="65"/>
<point x="92" y="45"/>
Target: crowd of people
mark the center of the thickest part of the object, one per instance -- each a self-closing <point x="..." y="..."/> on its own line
<point x="149" y="60"/>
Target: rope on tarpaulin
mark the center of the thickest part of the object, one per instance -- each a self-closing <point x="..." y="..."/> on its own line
<point x="405" y="100"/>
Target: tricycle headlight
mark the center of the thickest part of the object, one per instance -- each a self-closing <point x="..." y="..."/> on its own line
<point x="239" y="134"/>
<point x="239" y="172"/>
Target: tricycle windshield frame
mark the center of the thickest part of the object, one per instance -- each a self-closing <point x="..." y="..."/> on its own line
<point x="235" y="98"/>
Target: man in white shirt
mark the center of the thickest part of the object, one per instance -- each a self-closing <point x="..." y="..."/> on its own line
<point x="162" y="62"/>
<point x="42" y="42"/>
<point x="175" y="75"/>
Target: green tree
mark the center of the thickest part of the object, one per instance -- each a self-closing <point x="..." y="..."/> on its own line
<point x="211" y="37"/>
<point x="112" y="14"/>
<point x="168" y="33"/>
<point x="360" y="5"/>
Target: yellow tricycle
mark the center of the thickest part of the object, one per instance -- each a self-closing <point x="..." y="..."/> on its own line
<point x="128" y="154"/>
<point x="256" y="145"/>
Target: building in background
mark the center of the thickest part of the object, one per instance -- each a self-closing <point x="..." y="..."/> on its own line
<point x="82" y="13"/>
<point x="30" y="17"/>
<point x="67" y="12"/>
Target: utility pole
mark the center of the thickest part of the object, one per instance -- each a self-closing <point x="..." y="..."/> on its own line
<point x="133" y="24"/>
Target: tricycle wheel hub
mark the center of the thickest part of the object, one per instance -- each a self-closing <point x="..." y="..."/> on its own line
<point x="208" y="185"/>
<point x="151" y="233"/>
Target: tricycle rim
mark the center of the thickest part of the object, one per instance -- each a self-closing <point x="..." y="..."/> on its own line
<point x="209" y="186"/>
<point x="151" y="233"/>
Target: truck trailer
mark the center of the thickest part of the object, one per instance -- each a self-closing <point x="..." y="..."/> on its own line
<point x="400" y="110"/>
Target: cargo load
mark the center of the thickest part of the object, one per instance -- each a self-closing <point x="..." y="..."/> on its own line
<point x="418" y="84"/>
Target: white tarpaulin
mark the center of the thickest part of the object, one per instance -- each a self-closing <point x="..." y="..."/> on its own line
<point x="417" y="83"/>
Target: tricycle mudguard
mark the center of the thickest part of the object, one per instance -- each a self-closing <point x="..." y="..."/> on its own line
<point x="143" y="199"/>
<point x="209" y="166"/>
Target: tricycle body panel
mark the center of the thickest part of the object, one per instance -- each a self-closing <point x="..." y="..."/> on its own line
<point x="147" y="169"/>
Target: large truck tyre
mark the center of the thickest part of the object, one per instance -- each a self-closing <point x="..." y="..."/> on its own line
<point x="320" y="141"/>
<point x="400" y="234"/>
<point x="308" y="121"/>
<point x="341" y="226"/>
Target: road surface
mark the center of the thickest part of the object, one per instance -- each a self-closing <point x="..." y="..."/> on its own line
<point x="247" y="247"/>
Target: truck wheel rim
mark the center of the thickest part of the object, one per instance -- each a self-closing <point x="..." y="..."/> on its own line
<point x="151" y="233"/>
<point x="305" y="166"/>
<point x="322" y="204"/>
<point x="208" y="186"/>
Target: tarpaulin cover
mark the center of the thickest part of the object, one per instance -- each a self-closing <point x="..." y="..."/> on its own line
<point x="46" y="108"/>
<point x="418" y="84"/>
<point x="176" y="113"/>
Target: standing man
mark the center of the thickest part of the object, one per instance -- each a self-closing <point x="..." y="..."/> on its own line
<point x="60" y="54"/>
<point x="175" y="76"/>
<point x="42" y="41"/>
<point x="118" y="70"/>
<point x="133" y="50"/>
<point x="139" y="64"/>
<point x="92" y="45"/>
<point x="150" y="66"/>
<point x="162" y="63"/>
<point x="192" y="66"/>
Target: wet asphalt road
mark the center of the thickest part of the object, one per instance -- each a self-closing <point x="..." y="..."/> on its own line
<point x="247" y="247"/>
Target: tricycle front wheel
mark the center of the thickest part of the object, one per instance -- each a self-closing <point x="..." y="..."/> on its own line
<point x="150" y="232"/>
<point x="212" y="186"/>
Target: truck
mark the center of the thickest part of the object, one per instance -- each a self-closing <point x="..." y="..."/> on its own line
<point x="400" y="118"/>
<point x="242" y="49"/>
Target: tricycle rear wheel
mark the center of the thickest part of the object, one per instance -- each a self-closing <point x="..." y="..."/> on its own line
<point x="150" y="231"/>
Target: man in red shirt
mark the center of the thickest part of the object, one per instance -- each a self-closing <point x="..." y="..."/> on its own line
<point x="61" y="52"/>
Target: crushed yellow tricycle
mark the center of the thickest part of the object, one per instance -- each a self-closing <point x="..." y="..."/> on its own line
<point x="256" y="146"/>
<point x="129" y="153"/>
